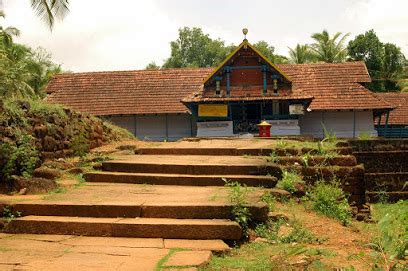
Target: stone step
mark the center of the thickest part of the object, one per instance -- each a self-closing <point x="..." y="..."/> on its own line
<point x="388" y="181"/>
<point x="259" y="212"/>
<point x="233" y="151"/>
<point x="204" y="229"/>
<point x="373" y="197"/>
<point x="383" y="161"/>
<point x="191" y="169"/>
<point x="179" y="179"/>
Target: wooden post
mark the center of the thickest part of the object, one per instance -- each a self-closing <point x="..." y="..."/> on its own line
<point x="167" y="127"/>
<point x="228" y="70"/>
<point x="354" y="124"/>
<point x="386" y="124"/>
<point x="135" y="121"/>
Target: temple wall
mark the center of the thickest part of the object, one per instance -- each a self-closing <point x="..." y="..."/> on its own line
<point x="169" y="127"/>
<point x="345" y="124"/>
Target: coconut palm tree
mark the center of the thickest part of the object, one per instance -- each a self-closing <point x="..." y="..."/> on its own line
<point x="329" y="49"/>
<point x="301" y="54"/>
<point x="7" y="34"/>
<point x="49" y="10"/>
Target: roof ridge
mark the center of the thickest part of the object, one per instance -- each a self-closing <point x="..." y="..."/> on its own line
<point x="134" y="71"/>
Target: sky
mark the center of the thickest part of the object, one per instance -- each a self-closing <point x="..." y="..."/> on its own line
<point x="102" y="35"/>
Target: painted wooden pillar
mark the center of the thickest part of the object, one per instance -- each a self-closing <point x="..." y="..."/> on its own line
<point x="386" y="124"/>
<point x="265" y="83"/>
<point x="167" y="127"/>
<point x="228" y="71"/>
<point x="354" y="123"/>
<point x="135" y="122"/>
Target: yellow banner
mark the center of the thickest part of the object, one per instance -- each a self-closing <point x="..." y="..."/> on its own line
<point x="213" y="110"/>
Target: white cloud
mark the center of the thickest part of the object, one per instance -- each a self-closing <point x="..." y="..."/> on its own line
<point x="128" y="34"/>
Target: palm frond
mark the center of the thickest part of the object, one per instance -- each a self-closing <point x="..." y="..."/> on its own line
<point x="49" y="10"/>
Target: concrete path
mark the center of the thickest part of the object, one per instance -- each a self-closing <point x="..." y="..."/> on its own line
<point x="66" y="252"/>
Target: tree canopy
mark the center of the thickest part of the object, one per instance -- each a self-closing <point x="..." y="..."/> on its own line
<point x="329" y="49"/>
<point x="193" y="48"/>
<point x="23" y="71"/>
<point x="385" y="61"/>
<point x="301" y="54"/>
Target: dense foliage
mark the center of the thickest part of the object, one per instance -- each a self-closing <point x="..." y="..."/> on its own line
<point x="330" y="200"/>
<point x="193" y="48"/>
<point x="24" y="72"/>
<point x="385" y="61"/>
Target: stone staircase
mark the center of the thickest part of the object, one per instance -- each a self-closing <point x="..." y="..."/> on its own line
<point x="151" y="196"/>
<point x="386" y="168"/>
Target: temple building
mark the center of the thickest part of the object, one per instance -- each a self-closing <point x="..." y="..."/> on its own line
<point x="231" y="99"/>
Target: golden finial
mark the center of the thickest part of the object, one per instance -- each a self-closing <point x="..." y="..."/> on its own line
<point x="245" y="32"/>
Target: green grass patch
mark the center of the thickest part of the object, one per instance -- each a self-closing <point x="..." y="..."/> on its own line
<point x="329" y="200"/>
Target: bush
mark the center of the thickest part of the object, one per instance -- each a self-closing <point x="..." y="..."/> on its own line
<point x="19" y="158"/>
<point x="289" y="181"/>
<point x="238" y="196"/>
<point x="116" y="133"/>
<point x="79" y="145"/>
<point x="330" y="200"/>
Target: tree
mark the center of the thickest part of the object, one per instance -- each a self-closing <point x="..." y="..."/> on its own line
<point x="385" y="62"/>
<point x="368" y="48"/>
<point x="193" y="48"/>
<point x="329" y="49"/>
<point x="24" y="72"/>
<point x="49" y="10"/>
<point x="269" y="52"/>
<point x="300" y="54"/>
<point x="7" y="34"/>
<point x="152" y="66"/>
<point x="403" y="80"/>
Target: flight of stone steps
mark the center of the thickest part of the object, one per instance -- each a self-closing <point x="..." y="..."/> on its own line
<point x="177" y="218"/>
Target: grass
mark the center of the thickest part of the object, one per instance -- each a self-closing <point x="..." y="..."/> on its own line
<point x="290" y="181"/>
<point x="160" y="264"/>
<point x="294" y="144"/>
<point x="329" y="200"/>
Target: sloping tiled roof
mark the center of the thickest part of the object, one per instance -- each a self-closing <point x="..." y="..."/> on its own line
<point x="398" y="116"/>
<point x="332" y="86"/>
<point x="126" y="92"/>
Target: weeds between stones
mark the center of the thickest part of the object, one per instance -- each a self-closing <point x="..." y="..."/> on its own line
<point x="8" y="214"/>
<point x="290" y="181"/>
<point x="330" y="200"/>
<point x="237" y="195"/>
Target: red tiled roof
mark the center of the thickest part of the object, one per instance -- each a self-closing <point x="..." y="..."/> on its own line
<point x="398" y="116"/>
<point x="126" y="92"/>
<point x="333" y="86"/>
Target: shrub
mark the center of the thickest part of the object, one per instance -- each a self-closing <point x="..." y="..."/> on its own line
<point x="289" y="181"/>
<point x="20" y="158"/>
<point x="330" y="200"/>
<point x="237" y="195"/>
<point x="299" y="235"/>
<point x="116" y="133"/>
<point x="42" y="109"/>
<point x="273" y="157"/>
<point x="79" y="144"/>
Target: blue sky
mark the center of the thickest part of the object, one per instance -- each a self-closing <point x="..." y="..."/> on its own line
<point x="128" y="34"/>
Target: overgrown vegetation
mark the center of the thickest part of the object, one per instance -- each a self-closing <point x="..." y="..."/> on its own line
<point x="238" y="197"/>
<point x="32" y="131"/>
<point x="290" y="181"/>
<point x="9" y="215"/>
<point x="329" y="200"/>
